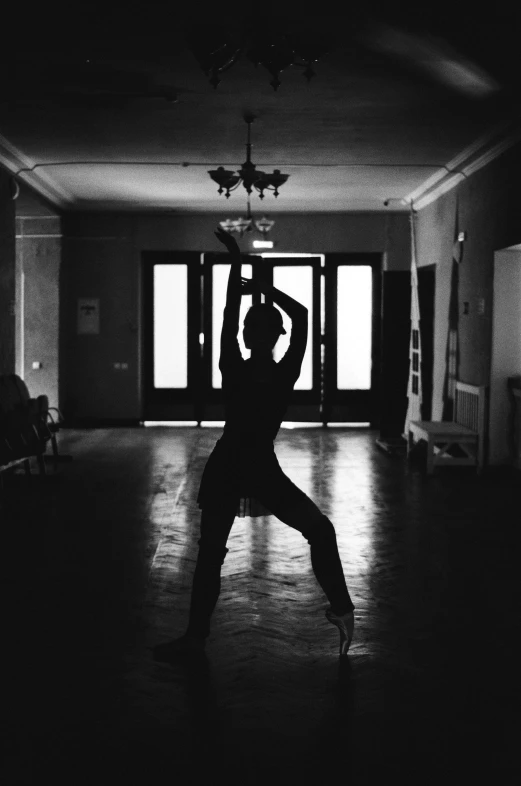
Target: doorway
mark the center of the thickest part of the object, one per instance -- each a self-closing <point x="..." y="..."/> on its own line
<point x="504" y="432"/>
<point x="351" y="368"/>
<point x="184" y="297"/>
<point x="172" y="350"/>
<point x="426" y="292"/>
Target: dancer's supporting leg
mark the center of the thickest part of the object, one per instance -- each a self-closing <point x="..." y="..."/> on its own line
<point x="206" y="586"/>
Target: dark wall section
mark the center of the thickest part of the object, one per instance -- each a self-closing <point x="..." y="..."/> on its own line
<point x="487" y="206"/>
<point x="7" y="276"/>
<point x="101" y="263"/>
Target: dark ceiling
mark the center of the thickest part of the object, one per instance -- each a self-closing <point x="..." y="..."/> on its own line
<point x="106" y="107"/>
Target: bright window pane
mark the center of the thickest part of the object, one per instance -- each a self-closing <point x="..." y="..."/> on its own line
<point x="220" y="275"/>
<point x="354" y="319"/>
<point x="170" y="326"/>
<point x="297" y="281"/>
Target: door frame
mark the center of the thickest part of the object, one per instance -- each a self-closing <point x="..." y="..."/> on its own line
<point x="334" y="399"/>
<point x="305" y="404"/>
<point x="212" y="402"/>
<point x="503" y="424"/>
<point x="185" y="402"/>
<point x="191" y="403"/>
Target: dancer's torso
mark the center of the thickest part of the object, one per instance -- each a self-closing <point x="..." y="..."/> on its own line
<point x="255" y="403"/>
<point x="243" y="460"/>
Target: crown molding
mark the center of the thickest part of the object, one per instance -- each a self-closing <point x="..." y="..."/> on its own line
<point x="14" y="161"/>
<point x="473" y="158"/>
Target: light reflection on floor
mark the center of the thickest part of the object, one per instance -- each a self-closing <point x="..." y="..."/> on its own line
<point x="339" y="483"/>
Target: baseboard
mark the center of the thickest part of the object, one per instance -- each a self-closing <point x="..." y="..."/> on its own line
<point x="101" y="423"/>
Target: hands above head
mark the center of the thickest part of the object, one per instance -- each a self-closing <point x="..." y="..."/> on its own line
<point x="227" y="240"/>
<point x="261" y="284"/>
<point x="248" y="286"/>
<point x="258" y="282"/>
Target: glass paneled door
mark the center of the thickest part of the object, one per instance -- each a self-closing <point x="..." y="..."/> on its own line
<point x="352" y="338"/>
<point x="216" y="272"/>
<point x="298" y="277"/>
<point x="184" y="299"/>
<point x="172" y="319"/>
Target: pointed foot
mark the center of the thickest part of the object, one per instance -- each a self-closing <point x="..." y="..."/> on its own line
<point x="346" y="625"/>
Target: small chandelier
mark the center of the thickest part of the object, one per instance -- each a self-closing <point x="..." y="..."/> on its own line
<point x="217" y="50"/>
<point x="248" y="175"/>
<point x="247" y="223"/>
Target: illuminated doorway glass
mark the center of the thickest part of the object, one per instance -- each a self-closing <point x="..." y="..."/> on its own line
<point x="170" y="326"/>
<point x="354" y="326"/>
<point x="296" y="281"/>
<point x="220" y="275"/>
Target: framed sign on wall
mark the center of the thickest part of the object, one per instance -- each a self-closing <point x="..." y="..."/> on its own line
<point x="88" y="316"/>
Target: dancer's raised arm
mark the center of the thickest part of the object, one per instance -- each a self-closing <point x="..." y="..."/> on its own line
<point x="230" y="350"/>
<point x="299" y="327"/>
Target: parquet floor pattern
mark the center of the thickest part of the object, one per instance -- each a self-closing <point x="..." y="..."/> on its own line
<point x="97" y="563"/>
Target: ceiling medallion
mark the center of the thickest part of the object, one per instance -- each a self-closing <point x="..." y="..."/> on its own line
<point x="248" y="174"/>
<point x="216" y="51"/>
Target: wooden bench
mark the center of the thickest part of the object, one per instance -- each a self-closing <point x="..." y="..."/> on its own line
<point x="466" y="431"/>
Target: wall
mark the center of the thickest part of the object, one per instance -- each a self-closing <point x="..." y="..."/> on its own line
<point x="7" y="275"/>
<point x="487" y="207"/>
<point x="308" y="233"/>
<point x="506" y="349"/>
<point x="102" y="259"/>
<point x="38" y="257"/>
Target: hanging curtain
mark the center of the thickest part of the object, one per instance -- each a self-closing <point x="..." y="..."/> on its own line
<point x="452" y="349"/>
<point x="414" y="387"/>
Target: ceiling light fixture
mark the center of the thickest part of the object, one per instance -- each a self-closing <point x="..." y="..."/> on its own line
<point x="248" y="175"/>
<point x="217" y="50"/>
<point x="247" y="223"/>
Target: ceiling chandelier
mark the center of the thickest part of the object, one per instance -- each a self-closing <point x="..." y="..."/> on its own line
<point x="248" y="175"/>
<point x="247" y="223"/>
<point x="217" y="50"/>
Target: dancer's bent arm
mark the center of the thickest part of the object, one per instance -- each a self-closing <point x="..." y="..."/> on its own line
<point x="230" y="351"/>
<point x="299" y="327"/>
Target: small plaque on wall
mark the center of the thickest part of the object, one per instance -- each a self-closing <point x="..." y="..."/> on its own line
<point x="88" y="316"/>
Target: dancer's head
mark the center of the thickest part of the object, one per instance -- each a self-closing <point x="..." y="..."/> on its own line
<point x="262" y="326"/>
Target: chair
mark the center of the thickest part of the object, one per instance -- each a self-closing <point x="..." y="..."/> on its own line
<point x="465" y="432"/>
<point x="46" y="424"/>
<point x="26" y="426"/>
<point x="19" y="435"/>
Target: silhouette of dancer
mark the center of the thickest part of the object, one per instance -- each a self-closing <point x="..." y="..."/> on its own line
<point x="243" y="464"/>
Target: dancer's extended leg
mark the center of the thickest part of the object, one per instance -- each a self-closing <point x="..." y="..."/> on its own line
<point x="293" y="507"/>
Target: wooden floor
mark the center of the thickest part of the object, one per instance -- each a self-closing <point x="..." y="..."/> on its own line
<point x="97" y="562"/>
